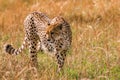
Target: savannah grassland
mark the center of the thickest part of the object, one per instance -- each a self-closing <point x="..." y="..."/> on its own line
<point x="95" y="50"/>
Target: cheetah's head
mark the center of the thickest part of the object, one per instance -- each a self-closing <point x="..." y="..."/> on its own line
<point x="55" y="25"/>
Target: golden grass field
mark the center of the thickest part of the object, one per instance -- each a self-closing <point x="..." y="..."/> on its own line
<point x="95" y="50"/>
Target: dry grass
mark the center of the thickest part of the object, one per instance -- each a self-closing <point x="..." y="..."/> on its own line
<point x="95" y="52"/>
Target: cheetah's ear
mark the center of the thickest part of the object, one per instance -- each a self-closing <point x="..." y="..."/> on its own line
<point x="61" y="19"/>
<point x="56" y="22"/>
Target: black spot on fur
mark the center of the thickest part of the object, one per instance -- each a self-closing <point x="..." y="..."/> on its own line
<point x="60" y="26"/>
<point x="48" y="23"/>
<point x="33" y="52"/>
<point x="52" y="32"/>
<point x="33" y="56"/>
<point x="60" y="46"/>
<point x="48" y="39"/>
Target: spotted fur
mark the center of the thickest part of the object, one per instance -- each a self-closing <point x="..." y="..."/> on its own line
<point x="52" y="36"/>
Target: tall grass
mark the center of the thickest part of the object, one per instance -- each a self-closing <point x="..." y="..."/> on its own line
<point x="95" y="51"/>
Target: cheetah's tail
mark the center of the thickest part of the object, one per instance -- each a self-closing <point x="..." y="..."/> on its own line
<point x="10" y="50"/>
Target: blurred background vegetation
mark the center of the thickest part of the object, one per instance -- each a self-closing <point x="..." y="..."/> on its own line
<point x="95" y="51"/>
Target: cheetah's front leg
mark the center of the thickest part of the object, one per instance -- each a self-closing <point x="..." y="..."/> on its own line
<point x="60" y="58"/>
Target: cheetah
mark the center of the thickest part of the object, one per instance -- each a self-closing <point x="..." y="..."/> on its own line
<point x="52" y="36"/>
